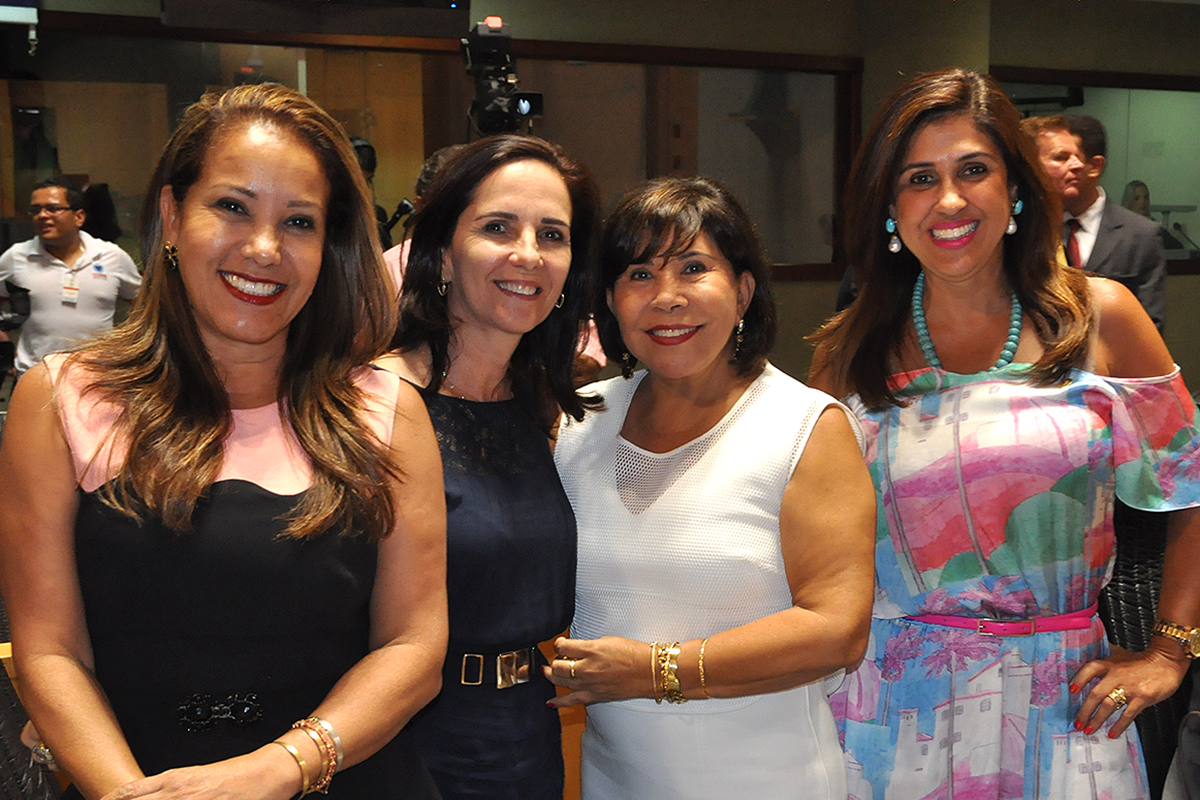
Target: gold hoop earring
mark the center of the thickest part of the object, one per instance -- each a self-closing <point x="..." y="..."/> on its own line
<point x="562" y="298"/>
<point x="443" y="287"/>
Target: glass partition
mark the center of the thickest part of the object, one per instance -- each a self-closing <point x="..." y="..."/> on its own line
<point x="98" y="105"/>
<point x="1152" y="164"/>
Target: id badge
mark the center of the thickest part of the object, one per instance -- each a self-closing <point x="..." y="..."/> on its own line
<point x="70" y="288"/>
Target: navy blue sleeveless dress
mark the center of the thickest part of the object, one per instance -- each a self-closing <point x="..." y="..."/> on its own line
<point x="511" y="581"/>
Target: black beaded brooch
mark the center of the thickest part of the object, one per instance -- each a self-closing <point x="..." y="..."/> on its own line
<point x="200" y="711"/>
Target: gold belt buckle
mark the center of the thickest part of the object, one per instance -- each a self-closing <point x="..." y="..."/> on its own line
<point x="512" y="668"/>
<point x="478" y="670"/>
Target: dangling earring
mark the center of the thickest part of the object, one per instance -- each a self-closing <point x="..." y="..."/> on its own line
<point x="1017" y="208"/>
<point x="562" y="298"/>
<point x="894" y="245"/>
<point x="443" y="287"/>
<point x="738" y="338"/>
<point x="171" y="255"/>
<point x="626" y="365"/>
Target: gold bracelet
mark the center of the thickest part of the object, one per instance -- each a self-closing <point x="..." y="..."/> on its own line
<point x="703" y="683"/>
<point x="656" y="671"/>
<point x="325" y="745"/>
<point x="669" y="663"/>
<point x="300" y="763"/>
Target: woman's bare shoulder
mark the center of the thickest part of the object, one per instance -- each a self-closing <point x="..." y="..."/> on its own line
<point x="411" y="365"/>
<point x="1128" y="345"/>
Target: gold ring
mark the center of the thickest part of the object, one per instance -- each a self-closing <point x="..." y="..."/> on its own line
<point x="1118" y="697"/>
<point x="572" y="669"/>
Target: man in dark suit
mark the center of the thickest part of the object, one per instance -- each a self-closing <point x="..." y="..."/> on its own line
<point x="1099" y="235"/>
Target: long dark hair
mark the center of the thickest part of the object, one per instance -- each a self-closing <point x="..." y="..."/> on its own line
<point x="541" y="366"/>
<point x="860" y="345"/>
<point x="175" y="413"/>
<point x="663" y="217"/>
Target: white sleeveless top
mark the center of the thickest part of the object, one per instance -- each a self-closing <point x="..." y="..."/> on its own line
<point x="683" y="545"/>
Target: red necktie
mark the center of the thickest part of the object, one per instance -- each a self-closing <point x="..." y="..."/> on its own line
<point x="1072" y="245"/>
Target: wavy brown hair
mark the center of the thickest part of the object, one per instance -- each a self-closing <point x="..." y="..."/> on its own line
<point x="859" y="347"/>
<point x="174" y="411"/>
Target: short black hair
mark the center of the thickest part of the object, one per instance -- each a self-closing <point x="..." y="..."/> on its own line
<point x="663" y="217"/>
<point x="433" y="166"/>
<point x="1091" y="134"/>
<point x="74" y="196"/>
<point x="364" y="151"/>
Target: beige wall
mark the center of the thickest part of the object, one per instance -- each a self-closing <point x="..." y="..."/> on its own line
<point x="1104" y="35"/>
<point x="816" y="27"/>
<point x="376" y="96"/>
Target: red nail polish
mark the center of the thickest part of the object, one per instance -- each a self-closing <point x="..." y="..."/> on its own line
<point x="1112" y="734"/>
<point x="1073" y="688"/>
<point x="1089" y="730"/>
<point x="1078" y="725"/>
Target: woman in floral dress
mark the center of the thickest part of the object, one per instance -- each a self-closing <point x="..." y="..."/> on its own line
<point x="1005" y="401"/>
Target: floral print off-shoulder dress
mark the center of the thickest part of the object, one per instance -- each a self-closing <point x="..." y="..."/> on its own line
<point x="995" y="501"/>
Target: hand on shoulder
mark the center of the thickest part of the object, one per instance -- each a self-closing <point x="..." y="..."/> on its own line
<point x="1129" y="346"/>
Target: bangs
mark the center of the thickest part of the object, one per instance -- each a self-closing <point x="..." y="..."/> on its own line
<point x="666" y="235"/>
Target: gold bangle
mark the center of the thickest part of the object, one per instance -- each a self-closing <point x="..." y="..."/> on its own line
<point x="703" y="683"/>
<point x="299" y="763"/>
<point x="325" y="745"/>
<point x="656" y="670"/>
<point x="669" y="664"/>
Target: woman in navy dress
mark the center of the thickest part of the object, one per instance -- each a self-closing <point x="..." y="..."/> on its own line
<point x="498" y="281"/>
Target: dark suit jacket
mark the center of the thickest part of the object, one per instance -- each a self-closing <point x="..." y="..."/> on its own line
<point x="1128" y="249"/>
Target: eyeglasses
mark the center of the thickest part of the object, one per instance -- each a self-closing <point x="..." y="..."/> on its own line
<point x="35" y="209"/>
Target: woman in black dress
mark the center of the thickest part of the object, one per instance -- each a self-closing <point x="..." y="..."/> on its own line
<point x="221" y="539"/>
<point x="498" y="281"/>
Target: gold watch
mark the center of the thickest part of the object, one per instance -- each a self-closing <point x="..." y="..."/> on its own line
<point x="1188" y="638"/>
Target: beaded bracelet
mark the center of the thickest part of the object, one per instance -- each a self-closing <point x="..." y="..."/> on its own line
<point x="325" y="744"/>
<point x="337" y="741"/>
<point x="668" y="664"/>
<point x="703" y="683"/>
<point x="300" y="763"/>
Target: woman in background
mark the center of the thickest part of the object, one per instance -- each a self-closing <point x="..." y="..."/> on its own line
<point x="725" y="521"/>
<point x="1004" y="399"/>
<point x="499" y="276"/>
<point x="222" y="533"/>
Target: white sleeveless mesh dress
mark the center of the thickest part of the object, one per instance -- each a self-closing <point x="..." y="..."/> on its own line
<point x="682" y="545"/>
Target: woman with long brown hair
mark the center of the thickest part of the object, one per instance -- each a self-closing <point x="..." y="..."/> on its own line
<point x="1005" y="399"/>
<point x="222" y="533"/>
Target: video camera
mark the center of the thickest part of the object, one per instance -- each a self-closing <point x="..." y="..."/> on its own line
<point x="497" y="106"/>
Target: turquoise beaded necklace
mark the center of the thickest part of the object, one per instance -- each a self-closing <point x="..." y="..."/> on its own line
<point x="931" y="356"/>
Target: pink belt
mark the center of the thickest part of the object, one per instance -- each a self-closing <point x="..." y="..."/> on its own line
<point x="1073" y="621"/>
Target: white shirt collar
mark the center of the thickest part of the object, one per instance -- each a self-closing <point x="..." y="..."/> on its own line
<point x="1090" y="220"/>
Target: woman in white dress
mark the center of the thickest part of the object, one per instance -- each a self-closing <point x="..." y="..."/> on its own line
<point x="725" y="524"/>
